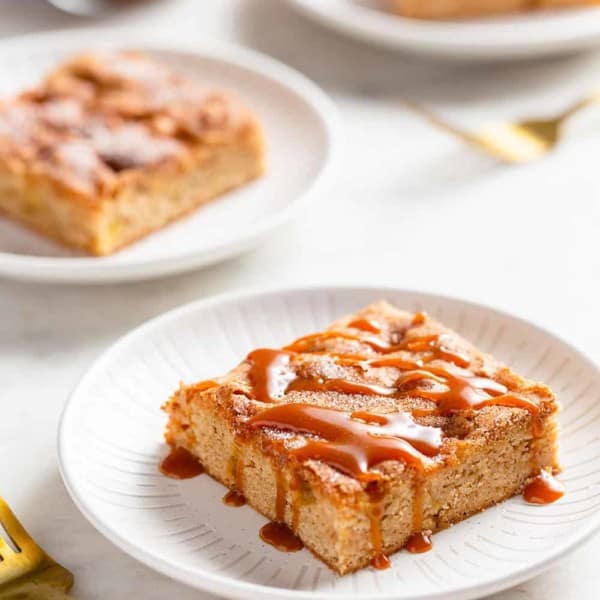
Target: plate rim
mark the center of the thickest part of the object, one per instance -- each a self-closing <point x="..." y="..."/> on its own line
<point x="91" y="269"/>
<point x="360" y="22"/>
<point x="215" y="583"/>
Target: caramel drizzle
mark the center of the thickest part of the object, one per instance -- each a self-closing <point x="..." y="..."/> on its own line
<point x="454" y="388"/>
<point x="435" y="344"/>
<point x="202" y="386"/>
<point x="366" y="325"/>
<point x="356" y="442"/>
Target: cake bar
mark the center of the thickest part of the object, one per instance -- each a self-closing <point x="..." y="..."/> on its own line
<point x="371" y="435"/>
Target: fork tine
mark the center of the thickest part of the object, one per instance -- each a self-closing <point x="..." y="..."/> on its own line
<point x="5" y="549"/>
<point x="29" y="572"/>
<point x="7" y="519"/>
<point x="15" y="530"/>
<point x="30" y="555"/>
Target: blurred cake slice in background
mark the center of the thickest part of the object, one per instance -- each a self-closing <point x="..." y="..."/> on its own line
<point x="450" y="9"/>
<point x="113" y="146"/>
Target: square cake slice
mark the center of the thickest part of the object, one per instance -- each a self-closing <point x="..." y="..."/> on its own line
<point x="112" y="146"/>
<point x="451" y="9"/>
<point x="371" y="435"/>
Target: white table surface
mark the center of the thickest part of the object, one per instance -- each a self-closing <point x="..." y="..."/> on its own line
<point x="409" y="208"/>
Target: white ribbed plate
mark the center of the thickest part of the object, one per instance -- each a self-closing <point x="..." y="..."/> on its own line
<point x="510" y="36"/>
<point x="111" y="442"/>
<point x="300" y="124"/>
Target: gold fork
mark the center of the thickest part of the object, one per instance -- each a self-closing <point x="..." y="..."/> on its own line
<point x="511" y="142"/>
<point x="26" y="571"/>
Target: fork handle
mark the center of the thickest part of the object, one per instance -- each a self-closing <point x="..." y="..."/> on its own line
<point x="593" y="99"/>
<point x="423" y="112"/>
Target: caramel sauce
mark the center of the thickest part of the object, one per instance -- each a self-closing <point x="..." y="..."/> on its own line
<point x="381" y="562"/>
<point x="201" y="386"/>
<point x="418" y="543"/>
<point x="269" y="373"/>
<point x="544" y="489"/>
<point x="180" y="464"/>
<point x="365" y="325"/>
<point x="309" y="342"/>
<point x="233" y="498"/>
<point x="435" y="345"/>
<point x="455" y="388"/>
<point x="353" y="443"/>
<point x="280" y="536"/>
<point x="419" y="318"/>
<point x="462" y="390"/>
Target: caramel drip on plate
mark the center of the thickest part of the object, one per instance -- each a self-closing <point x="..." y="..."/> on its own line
<point x="418" y="543"/>
<point x="180" y="464"/>
<point x="233" y="498"/>
<point x="544" y="489"/>
<point x="381" y="562"/>
<point x="281" y="537"/>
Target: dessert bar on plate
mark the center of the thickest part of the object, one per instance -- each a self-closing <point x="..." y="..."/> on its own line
<point x="448" y="9"/>
<point x="113" y="145"/>
<point x="371" y="435"/>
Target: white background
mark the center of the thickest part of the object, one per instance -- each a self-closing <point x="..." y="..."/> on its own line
<point x="409" y="208"/>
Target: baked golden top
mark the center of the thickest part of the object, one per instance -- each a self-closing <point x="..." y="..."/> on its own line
<point x="102" y="116"/>
<point x="335" y="399"/>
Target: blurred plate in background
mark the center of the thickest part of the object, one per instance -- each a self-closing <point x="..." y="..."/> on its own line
<point x="111" y="442"/>
<point x="512" y="36"/>
<point x="300" y="123"/>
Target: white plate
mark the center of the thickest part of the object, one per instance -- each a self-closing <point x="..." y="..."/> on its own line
<point x="512" y="36"/>
<point x="300" y="124"/>
<point x="110" y="443"/>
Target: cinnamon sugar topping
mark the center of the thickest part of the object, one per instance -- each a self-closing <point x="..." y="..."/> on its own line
<point x="108" y="112"/>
